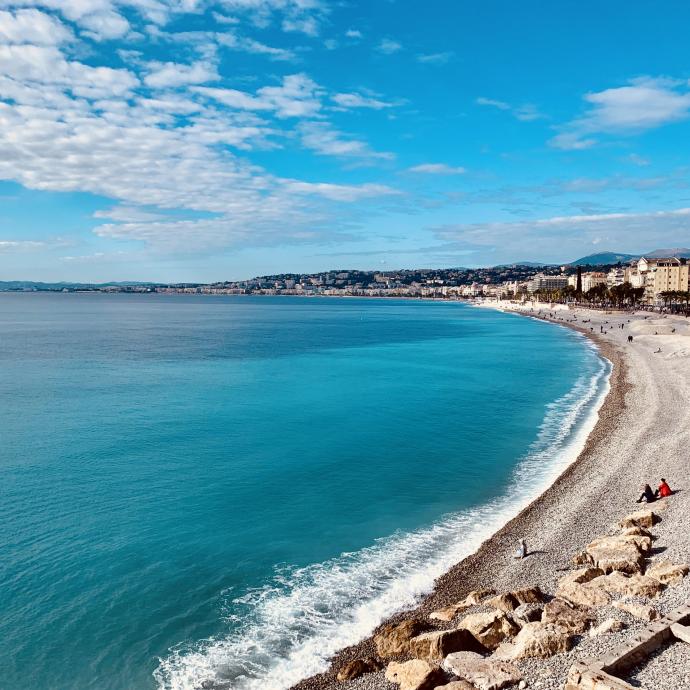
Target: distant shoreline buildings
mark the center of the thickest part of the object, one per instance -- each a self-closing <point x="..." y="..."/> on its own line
<point x="652" y="279"/>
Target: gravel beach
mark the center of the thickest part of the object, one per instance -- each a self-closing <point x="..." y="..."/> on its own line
<point x="643" y="434"/>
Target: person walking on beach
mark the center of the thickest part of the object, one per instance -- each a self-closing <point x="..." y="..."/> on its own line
<point x="630" y="338"/>
<point x="664" y="489"/>
<point x="647" y="495"/>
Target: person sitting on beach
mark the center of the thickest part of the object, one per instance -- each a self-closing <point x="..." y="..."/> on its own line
<point x="656" y="352"/>
<point x="522" y="549"/>
<point x="647" y="495"/>
<point x="664" y="489"/>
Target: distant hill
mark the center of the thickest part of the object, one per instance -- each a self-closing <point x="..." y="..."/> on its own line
<point x="680" y="252"/>
<point x="529" y="264"/>
<point x="604" y="258"/>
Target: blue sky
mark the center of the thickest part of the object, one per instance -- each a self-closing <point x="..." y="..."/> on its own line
<point x="194" y="140"/>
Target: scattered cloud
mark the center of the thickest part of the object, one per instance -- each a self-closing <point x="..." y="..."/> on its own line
<point x="387" y="46"/>
<point x="233" y="41"/>
<point x="325" y="140"/>
<point x="165" y="75"/>
<point x="357" y="100"/>
<point x="644" y="103"/>
<point x="33" y="26"/>
<point x="525" y="112"/>
<point x="638" y="160"/>
<point x="437" y="169"/>
<point x="562" y="238"/>
<point x="339" y="192"/>
<point x="353" y="33"/>
<point x="435" y="58"/>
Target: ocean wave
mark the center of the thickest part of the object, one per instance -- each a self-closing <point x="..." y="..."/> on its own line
<point x="288" y="630"/>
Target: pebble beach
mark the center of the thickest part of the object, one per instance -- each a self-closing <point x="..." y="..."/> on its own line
<point x="642" y="434"/>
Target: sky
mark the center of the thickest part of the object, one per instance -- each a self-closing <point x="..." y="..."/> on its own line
<point x="204" y="140"/>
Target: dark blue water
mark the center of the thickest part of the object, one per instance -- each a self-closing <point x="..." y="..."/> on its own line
<point x="209" y="489"/>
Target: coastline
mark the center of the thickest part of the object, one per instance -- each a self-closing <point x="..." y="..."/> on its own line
<point x="565" y="517"/>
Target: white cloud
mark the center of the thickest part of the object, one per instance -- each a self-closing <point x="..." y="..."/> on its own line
<point x="525" y="112"/>
<point x="357" y="100"/>
<point x="47" y="65"/>
<point x="353" y="33"/>
<point x="128" y="214"/>
<point x="437" y="169"/>
<point x="298" y="96"/>
<point x="387" y="46"/>
<point x="645" y="103"/>
<point x="339" y="192"/>
<point x="249" y="45"/>
<point x="164" y="75"/>
<point x="32" y="26"/>
<point x="20" y="245"/>
<point x="435" y="58"/>
<point x="562" y="238"/>
<point x="323" y="139"/>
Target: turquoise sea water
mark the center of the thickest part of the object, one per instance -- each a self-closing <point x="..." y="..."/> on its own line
<point x="208" y="491"/>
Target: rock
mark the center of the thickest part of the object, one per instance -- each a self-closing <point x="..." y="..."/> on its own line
<point x="667" y="572"/>
<point x="356" y="668"/>
<point x="529" y="595"/>
<point x="540" y="640"/>
<point x="573" y="617"/>
<point x="527" y="613"/>
<point x="580" y="559"/>
<point x="645" y="613"/>
<point x="624" y="557"/>
<point x="610" y="625"/>
<point x="511" y="600"/>
<point x="394" y="639"/>
<point x="472" y="599"/>
<point x="503" y="602"/>
<point x="622" y="541"/>
<point x="490" y="628"/>
<point x="522" y="685"/>
<point x="630" y="585"/>
<point x="481" y="673"/>
<point x="434" y="646"/>
<point x="642" y="518"/>
<point x="456" y="685"/>
<point x="584" y="594"/>
<point x="637" y="531"/>
<point x="582" y="575"/>
<point x="414" y="675"/>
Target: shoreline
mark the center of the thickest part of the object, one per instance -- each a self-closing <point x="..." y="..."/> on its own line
<point x="478" y="569"/>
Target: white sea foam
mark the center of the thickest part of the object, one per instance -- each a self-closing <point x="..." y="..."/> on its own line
<point x="288" y="630"/>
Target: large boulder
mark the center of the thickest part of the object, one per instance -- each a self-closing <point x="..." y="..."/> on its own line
<point x="586" y="594"/>
<point x="414" y="675"/>
<point x="394" y="639"/>
<point x="624" y="557"/>
<point x="481" y="673"/>
<point x="472" y="599"/>
<point x="527" y="613"/>
<point x="456" y="685"/>
<point x="641" y="518"/>
<point x="511" y="600"/>
<point x="645" y="613"/>
<point x="490" y="628"/>
<point x="667" y="573"/>
<point x="637" y="531"/>
<point x="630" y="585"/>
<point x="621" y="541"/>
<point x="434" y="646"/>
<point x="356" y="668"/>
<point x="610" y="625"/>
<point x="573" y="617"/>
<point x="540" y="640"/>
<point x="582" y="575"/>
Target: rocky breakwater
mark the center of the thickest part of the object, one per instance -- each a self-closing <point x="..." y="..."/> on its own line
<point x="490" y="640"/>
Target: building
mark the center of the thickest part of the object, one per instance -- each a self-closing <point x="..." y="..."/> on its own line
<point x="616" y="276"/>
<point x="669" y="275"/>
<point x="544" y="282"/>
<point x="572" y="281"/>
<point x="592" y="279"/>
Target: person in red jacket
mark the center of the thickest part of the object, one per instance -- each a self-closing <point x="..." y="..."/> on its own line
<point x="664" y="489"/>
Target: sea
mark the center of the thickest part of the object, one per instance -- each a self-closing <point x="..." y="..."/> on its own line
<point x="219" y="492"/>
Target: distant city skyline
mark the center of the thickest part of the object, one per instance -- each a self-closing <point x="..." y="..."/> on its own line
<point x="206" y="140"/>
